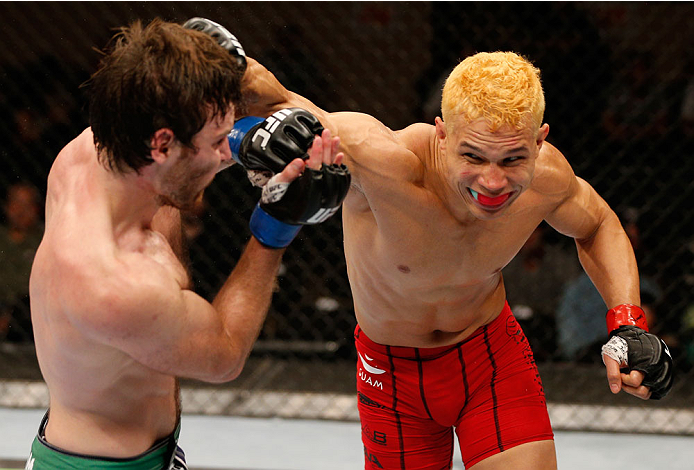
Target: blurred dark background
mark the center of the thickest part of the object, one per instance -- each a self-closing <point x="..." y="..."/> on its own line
<point x="619" y="83"/>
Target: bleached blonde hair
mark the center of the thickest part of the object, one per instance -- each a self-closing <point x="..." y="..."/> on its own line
<point x="501" y="87"/>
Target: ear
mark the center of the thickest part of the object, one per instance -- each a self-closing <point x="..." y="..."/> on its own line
<point x="440" y="131"/>
<point x="161" y="143"/>
<point x="542" y="135"/>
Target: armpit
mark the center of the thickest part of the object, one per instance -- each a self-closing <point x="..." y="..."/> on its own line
<point x="357" y="188"/>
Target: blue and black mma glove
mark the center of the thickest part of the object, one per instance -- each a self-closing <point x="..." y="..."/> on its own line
<point x="223" y="37"/>
<point x="264" y="147"/>
<point x="630" y="343"/>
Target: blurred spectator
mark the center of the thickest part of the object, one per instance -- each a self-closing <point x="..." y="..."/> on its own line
<point x="19" y="238"/>
<point x="681" y="304"/>
<point x="41" y="105"/>
<point x="581" y="327"/>
<point x="533" y="281"/>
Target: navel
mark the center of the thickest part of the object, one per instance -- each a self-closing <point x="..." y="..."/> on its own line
<point x="403" y="269"/>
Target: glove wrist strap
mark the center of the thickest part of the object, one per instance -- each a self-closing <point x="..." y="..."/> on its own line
<point x="239" y="131"/>
<point x="271" y="232"/>
<point x="626" y="314"/>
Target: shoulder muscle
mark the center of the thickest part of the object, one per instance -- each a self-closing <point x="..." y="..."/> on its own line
<point x="578" y="209"/>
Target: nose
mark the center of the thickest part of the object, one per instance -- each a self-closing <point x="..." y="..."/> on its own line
<point x="225" y="151"/>
<point x="493" y="178"/>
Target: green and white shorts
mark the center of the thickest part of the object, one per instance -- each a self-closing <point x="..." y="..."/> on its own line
<point x="163" y="455"/>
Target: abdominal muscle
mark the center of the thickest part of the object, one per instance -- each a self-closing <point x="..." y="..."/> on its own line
<point x="121" y="412"/>
<point x="425" y="316"/>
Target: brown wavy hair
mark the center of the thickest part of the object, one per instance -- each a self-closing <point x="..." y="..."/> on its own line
<point x="157" y="76"/>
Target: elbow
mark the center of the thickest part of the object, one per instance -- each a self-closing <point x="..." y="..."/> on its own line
<point x="233" y="373"/>
<point x="597" y="228"/>
<point x="224" y="377"/>
<point x="227" y="370"/>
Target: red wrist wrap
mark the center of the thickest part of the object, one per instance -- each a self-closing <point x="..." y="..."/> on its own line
<point x="626" y="314"/>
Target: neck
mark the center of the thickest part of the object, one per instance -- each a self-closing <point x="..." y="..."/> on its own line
<point x="435" y="177"/>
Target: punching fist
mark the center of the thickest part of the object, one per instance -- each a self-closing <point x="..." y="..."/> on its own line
<point x="634" y="348"/>
<point x="311" y="198"/>
<point x="223" y="37"/>
<point x="265" y="147"/>
<point x="268" y="145"/>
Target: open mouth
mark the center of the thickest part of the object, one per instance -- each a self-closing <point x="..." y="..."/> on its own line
<point x="490" y="202"/>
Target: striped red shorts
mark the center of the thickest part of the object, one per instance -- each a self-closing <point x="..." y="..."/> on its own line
<point x="486" y="387"/>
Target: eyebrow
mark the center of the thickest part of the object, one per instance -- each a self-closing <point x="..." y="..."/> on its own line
<point x="219" y="135"/>
<point x="519" y="149"/>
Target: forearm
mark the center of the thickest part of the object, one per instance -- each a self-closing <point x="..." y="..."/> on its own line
<point x="244" y="299"/>
<point x="264" y="94"/>
<point x="608" y="259"/>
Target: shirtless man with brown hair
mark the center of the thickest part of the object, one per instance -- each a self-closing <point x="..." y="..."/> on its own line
<point x="114" y="318"/>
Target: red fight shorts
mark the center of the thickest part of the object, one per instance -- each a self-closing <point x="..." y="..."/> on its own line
<point x="486" y="387"/>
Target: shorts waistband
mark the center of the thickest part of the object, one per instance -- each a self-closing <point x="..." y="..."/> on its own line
<point x="47" y="455"/>
<point x="406" y="352"/>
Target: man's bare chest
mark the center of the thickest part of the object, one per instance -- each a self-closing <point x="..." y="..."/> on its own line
<point x="424" y="244"/>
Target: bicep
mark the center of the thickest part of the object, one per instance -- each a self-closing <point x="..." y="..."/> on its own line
<point x="183" y="337"/>
<point x="162" y="326"/>
<point x="371" y="149"/>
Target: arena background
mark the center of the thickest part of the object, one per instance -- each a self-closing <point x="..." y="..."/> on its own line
<point x="619" y="81"/>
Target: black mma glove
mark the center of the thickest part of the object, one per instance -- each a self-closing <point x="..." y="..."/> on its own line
<point x="310" y="199"/>
<point x="631" y="344"/>
<point x="223" y="37"/>
<point x="267" y="145"/>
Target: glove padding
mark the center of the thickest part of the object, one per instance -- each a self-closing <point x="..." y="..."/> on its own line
<point x="223" y="37"/>
<point x="280" y="138"/>
<point x="310" y="199"/>
<point x="648" y="354"/>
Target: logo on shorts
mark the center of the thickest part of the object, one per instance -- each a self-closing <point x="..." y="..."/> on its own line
<point x="372" y="458"/>
<point x="369" y="368"/>
<point x="377" y="437"/>
<point x="364" y="400"/>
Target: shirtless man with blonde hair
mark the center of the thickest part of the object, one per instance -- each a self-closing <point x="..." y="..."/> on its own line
<point x="433" y="215"/>
<point x="115" y="319"/>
